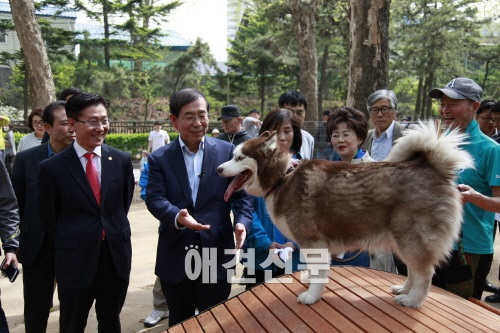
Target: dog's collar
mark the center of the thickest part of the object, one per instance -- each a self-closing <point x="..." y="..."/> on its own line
<point x="289" y="170"/>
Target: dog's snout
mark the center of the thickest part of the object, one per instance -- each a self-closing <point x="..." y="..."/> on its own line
<point x="220" y="170"/>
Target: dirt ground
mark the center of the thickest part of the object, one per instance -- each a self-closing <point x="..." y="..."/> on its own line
<point x="138" y="304"/>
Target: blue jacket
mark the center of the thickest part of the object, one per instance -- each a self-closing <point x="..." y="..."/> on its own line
<point x="143" y="180"/>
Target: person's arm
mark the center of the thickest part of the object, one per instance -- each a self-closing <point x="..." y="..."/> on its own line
<point x="143" y="181"/>
<point x="9" y="218"/>
<point x="159" y="205"/>
<point x="248" y="122"/>
<point x="48" y="199"/>
<point x="129" y="185"/>
<point x="491" y="204"/>
<point x="150" y="145"/>
<point x="242" y="206"/>
<point x="167" y="138"/>
<point x="490" y="166"/>
<point x="258" y="237"/>
<point x="19" y="182"/>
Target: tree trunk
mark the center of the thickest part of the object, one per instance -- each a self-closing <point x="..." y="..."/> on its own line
<point x="105" y="12"/>
<point x="262" y="90"/>
<point x="486" y="73"/>
<point x="369" y="50"/>
<point x="304" y="27"/>
<point x="322" y="79"/>
<point x="426" y="98"/>
<point x="40" y="80"/>
<point x="418" y="106"/>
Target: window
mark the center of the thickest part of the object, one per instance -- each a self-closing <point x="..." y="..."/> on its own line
<point x="3" y="37"/>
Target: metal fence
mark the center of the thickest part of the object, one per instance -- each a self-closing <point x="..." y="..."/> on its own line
<point x="117" y="126"/>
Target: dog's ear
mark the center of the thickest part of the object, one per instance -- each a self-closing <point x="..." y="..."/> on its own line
<point x="266" y="134"/>
<point x="269" y="146"/>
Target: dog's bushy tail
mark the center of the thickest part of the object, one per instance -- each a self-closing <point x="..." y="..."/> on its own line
<point x="442" y="151"/>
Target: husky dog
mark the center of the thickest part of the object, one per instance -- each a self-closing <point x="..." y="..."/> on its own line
<point x="409" y="203"/>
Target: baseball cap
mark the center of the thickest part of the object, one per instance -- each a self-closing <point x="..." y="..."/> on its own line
<point x="215" y="130"/>
<point x="229" y="111"/>
<point x="459" y="88"/>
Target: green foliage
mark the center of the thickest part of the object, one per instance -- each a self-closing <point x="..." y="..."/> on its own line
<point x="183" y="72"/>
<point x="142" y="14"/>
<point x="431" y="42"/>
<point x="132" y="143"/>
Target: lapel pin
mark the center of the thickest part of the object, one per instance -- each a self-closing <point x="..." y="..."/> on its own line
<point x="110" y="158"/>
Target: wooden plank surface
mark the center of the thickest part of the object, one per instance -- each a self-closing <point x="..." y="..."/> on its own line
<point x="355" y="300"/>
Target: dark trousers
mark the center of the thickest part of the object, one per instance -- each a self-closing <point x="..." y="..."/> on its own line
<point x="4" y="328"/>
<point x="38" y="288"/>
<point x="185" y="297"/>
<point x="9" y="159"/>
<point x="107" y="289"/>
<point x="260" y="276"/>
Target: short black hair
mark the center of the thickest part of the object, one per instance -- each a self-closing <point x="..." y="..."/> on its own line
<point x="48" y="112"/>
<point x="79" y="102"/>
<point x="69" y="91"/>
<point x="293" y="98"/>
<point x="274" y="120"/>
<point x="184" y="97"/>
<point x="485" y="106"/>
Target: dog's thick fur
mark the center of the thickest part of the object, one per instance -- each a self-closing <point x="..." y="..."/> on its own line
<point x="409" y="203"/>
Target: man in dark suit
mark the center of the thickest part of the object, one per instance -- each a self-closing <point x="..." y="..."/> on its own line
<point x="383" y="107"/>
<point x="36" y="249"/>
<point x="84" y="194"/>
<point x="186" y="194"/>
<point x="9" y="224"/>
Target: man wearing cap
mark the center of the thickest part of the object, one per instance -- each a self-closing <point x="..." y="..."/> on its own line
<point x="252" y="124"/>
<point x="157" y="138"/>
<point x="479" y="187"/>
<point x="231" y="123"/>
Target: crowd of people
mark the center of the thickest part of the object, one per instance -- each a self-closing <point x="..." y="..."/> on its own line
<point x="71" y="194"/>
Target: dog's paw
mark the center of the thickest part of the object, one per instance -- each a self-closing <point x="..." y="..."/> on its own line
<point x="399" y="290"/>
<point x="407" y="301"/>
<point x="308" y="298"/>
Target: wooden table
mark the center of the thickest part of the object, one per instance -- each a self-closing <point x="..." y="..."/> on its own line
<point x="355" y="300"/>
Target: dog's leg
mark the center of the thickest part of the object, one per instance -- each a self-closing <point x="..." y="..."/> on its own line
<point x="420" y="284"/>
<point x="318" y="268"/>
<point x="405" y="288"/>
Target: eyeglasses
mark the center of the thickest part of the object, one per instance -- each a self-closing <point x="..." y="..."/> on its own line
<point x="496" y="121"/>
<point x="38" y="123"/>
<point x="489" y="120"/>
<point x="344" y="136"/>
<point x="383" y="109"/>
<point x="202" y="118"/>
<point x="95" y="123"/>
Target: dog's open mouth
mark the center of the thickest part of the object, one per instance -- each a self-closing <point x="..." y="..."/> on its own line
<point x="237" y="183"/>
